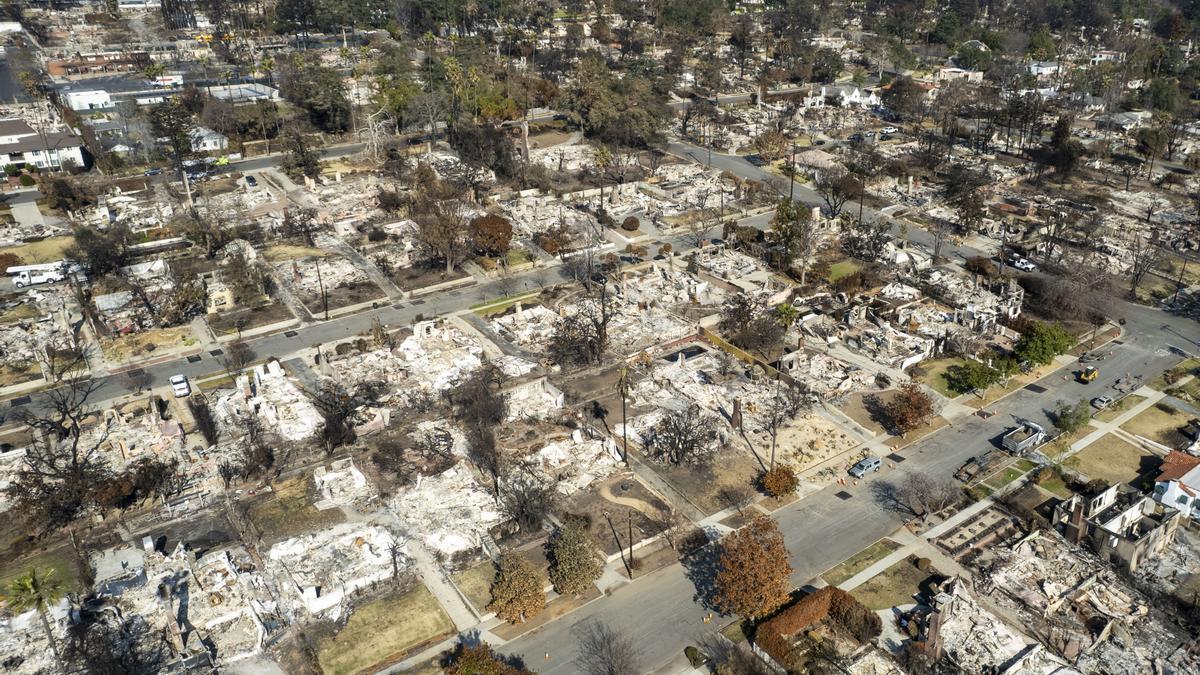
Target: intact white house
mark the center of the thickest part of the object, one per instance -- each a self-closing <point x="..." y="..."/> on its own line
<point x="1042" y="68"/>
<point x="21" y="145"/>
<point x="1178" y="484"/>
<point x="207" y="140"/>
<point x="846" y="95"/>
<point x="951" y="73"/>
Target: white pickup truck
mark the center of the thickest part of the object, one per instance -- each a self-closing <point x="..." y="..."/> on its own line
<point x="31" y="278"/>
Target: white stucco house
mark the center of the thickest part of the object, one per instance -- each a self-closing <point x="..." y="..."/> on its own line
<point x="1178" y="484"/>
<point x="207" y="140"/>
<point x="1042" y="68"/>
<point x="22" y="145"/>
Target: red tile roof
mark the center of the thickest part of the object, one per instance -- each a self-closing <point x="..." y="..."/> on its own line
<point x="1175" y="465"/>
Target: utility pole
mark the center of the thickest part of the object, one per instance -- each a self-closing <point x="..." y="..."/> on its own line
<point x="792" y="174"/>
<point x="324" y="296"/>
<point x="1179" y="284"/>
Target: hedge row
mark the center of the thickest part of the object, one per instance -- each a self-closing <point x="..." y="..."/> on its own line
<point x="775" y="636"/>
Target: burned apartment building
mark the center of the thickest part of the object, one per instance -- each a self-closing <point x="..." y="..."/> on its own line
<point x="1122" y="526"/>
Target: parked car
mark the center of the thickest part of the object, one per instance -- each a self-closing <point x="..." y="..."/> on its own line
<point x="865" y="466"/>
<point x="886" y="137"/>
<point x="153" y="172"/>
<point x="179" y="385"/>
<point x="856" y="138"/>
<point x="1102" y="402"/>
<point x="756" y="160"/>
<point x="889" y="130"/>
<point x="1024" y="265"/>
<point x="251" y="181"/>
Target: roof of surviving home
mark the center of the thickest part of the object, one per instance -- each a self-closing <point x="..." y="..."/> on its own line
<point x="1176" y="465"/>
<point x="53" y="140"/>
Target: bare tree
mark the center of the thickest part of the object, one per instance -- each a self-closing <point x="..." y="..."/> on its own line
<point x="685" y="436"/>
<point x="785" y="404"/>
<point x="836" y="187"/>
<point x="1145" y="255"/>
<point x="604" y="650"/>
<point x="527" y="498"/>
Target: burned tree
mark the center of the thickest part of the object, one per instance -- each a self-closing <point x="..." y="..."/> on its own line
<point x="685" y="436"/>
<point x="785" y="404"/>
<point x="581" y="337"/>
<point x="337" y="405"/>
<point x="480" y="406"/>
<point x="749" y="323"/>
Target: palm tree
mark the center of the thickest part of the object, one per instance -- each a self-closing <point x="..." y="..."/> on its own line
<point x="623" y="390"/>
<point x="38" y="590"/>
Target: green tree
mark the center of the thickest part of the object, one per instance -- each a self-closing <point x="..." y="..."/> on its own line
<point x="574" y="560"/>
<point x="796" y="234"/>
<point x="1069" y="418"/>
<point x="972" y="376"/>
<point x="38" y="590"/>
<point x="1041" y="45"/>
<point x="318" y="89"/>
<point x="1041" y="342"/>
<point x="517" y="592"/>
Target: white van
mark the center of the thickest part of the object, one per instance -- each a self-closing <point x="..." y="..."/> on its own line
<point x="865" y="466"/>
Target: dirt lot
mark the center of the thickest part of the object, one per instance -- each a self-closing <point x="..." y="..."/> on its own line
<point x="1112" y="459"/>
<point x="894" y="586"/>
<point x="293" y="252"/>
<point x="855" y="408"/>
<point x="147" y="343"/>
<point x="1159" y="423"/>
<point x="344" y="296"/>
<point x="412" y="278"/>
<point x="730" y="478"/>
<point x="383" y="631"/>
<point x="228" y="323"/>
<point x="288" y="511"/>
<point x="619" y="497"/>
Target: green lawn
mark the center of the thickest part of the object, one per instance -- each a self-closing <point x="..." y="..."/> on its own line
<point x="934" y="374"/>
<point x="842" y="269"/>
<point x="860" y="561"/>
<point x="44" y="251"/>
<point x="61" y="560"/>
<point x="1056" y="486"/>
<point x="500" y="304"/>
<point x="383" y="631"/>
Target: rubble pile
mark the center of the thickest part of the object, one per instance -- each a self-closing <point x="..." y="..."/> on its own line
<point x="219" y="599"/>
<point x="133" y="433"/>
<point x="322" y="569"/>
<point x="449" y="512"/>
<point x="536" y="399"/>
<point x="1082" y="609"/>
<point x="565" y="158"/>
<point x="24" y="648"/>
<point x="342" y="484"/>
<point x="334" y="272"/>
<point x="573" y="464"/>
<point x="270" y="395"/>
<point x="824" y="375"/>
<point x="533" y="212"/>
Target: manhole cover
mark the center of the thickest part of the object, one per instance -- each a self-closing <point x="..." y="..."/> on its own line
<point x="843" y="495"/>
<point x="290" y="333"/>
<point x="1035" y="388"/>
<point x="217" y="352"/>
<point x="194" y="358"/>
<point x="895" y="458"/>
<point x="20" y="401"/>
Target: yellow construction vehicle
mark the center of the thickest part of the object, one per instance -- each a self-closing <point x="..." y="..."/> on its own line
<point x="1087" y="375"/>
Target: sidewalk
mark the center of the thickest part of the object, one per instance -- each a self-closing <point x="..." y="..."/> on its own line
<point x="441" y="587"/>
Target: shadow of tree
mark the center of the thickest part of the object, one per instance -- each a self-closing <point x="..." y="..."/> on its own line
<point x="889" y="497"/>
<point x="701" y="569"/>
